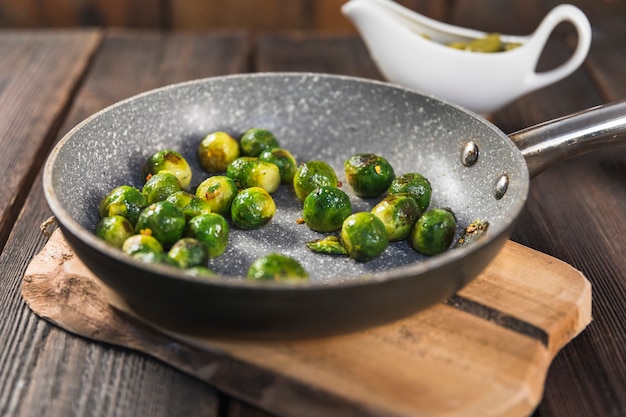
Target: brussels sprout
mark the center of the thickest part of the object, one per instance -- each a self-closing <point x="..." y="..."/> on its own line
<point x="248" y="171"/>
<point x="369" y="175"/>
<point x="364" y="236"/>
<point x="284" y="160"/>
<point x="326" y="208"/>
<point x="159" y="186"/>
<point x="311" y="175"/>
<point x="211" y="229"/>
<point x="414" y="184"/>
<point x="398" y="212"/>
<point x="200" y="271"/>
<point x="216" y="151"/>
<point x="163" y="220"/>
<point x="154" y="258"/>
<point x="330" y="245"/>
<point x="170" y="161"/>
<point x="434" y="232"/>
<point x="252" y="208"/>
<point x="188" y="252"/>
<point x="189" y="204"/>
<point x="142" y="243"/>
<point x="219" y="191"/>
<point x="276" y="267"/>
<point x="256" y="140"/>
<point x="114" y="230"/>
<point x="125" y="200"/>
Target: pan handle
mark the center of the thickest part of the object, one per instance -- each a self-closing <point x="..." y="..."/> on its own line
<point x="553" y="141"/>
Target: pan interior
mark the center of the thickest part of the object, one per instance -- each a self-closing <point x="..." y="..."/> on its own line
<point x="315" y="116"/>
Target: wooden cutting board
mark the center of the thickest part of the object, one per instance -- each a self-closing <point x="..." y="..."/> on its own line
<point x="485" y="352"/>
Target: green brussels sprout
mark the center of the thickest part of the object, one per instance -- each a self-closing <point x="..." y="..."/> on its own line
<point x="326" y="208"/>
<point x="211" y="229"/>
<point x="114" y="230"/>
<point x="187" y="252"/>
<point x="364" y="236"/>
<point x="256" y="140"/>
<point x="190" y="204"/>
<point x="216" y="151"/>
<point x="311" y="175"/>
<point x="276" y="267"/>
<point x="125" y="200"/>
<point x="414" y="184"/>
<point x="163" y="220"/>
<point x="252" y="208"/>
<point x="330" y="245"/>
<point x="159" y="186"/>
<point x="142" y="243"/>
<point x="170" y="161"/>
<point x="369" y="175"/>
<point x="284" y="160"/>
<point x="249" y="171"/>
<point x="218" y="191"/>
<point x="398" y="212"/>
<point x="154" y="258"/>
<point x="200" y="271"/>
<point x="434" y="232"/>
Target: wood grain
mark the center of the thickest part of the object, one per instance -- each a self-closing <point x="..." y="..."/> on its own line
<point x="111" y="380"/>
<point x="445" y="361"/>
<point x="31" y="107"/>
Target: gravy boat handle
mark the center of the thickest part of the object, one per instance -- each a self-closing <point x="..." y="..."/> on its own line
<point x="561" y="13"/>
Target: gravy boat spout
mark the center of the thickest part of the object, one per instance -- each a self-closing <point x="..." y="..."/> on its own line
<point x="413" y="50"/>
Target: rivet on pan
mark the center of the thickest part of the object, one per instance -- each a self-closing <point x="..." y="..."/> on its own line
<point x="502" y="184"/>
<point x="470" y="154"/>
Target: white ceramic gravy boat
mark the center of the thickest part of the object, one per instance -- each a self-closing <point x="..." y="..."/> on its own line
<point x="398" y="40"/>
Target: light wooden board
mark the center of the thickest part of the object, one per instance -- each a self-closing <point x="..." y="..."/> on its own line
<point x="485" y="352"/>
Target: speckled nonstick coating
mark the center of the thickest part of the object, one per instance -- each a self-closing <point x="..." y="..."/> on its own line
<point x="315" y="116"/>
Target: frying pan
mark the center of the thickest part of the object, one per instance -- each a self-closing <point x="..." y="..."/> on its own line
<point x="315" y="116"/>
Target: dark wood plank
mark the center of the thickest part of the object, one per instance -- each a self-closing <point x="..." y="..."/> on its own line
<point x="62" y="13"/>
<point x="295" y="51"/>
<point x="101" y="380"/>
<point x="574" y="212"/>
<point x="32" y="102"/>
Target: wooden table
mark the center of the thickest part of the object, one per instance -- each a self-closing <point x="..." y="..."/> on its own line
<point x="52" y="79"/>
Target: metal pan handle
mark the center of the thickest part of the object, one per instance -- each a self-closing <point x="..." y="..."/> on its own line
<point x="551" y="142"/>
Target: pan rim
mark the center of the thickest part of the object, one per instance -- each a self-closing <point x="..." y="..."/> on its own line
<point x="67" y="222"/>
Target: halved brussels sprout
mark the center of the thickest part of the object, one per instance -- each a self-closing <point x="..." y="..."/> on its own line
<point x="160" y="186"/>
<point x="187" y="252"/>
<point x="284" y="160"/>
<point x="326" y="208"/>
<point x="170" y="161"/>
<point x="125" y="200"/>
<point x="217" y="150"/>
<point x="414" y="184"/>
<point x="218" y="191"/>
<point x="434" y="231"/>
<point x="249" y="171"/>
<point x="211" y="229"/>
<point x="364" y="236"/>
<point x="142" y="243"/>
<point x="368" y="174"/>
<point x="252" y="208"/>
<point x="398" y="212"/>
<point x="311" y="175"/>
<point x="276" y="267"/>
<point x="190" y="204"/>
<point x="162" y="220"/>
<point x="256" y="140"/>
<point x="114" y="230"/>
